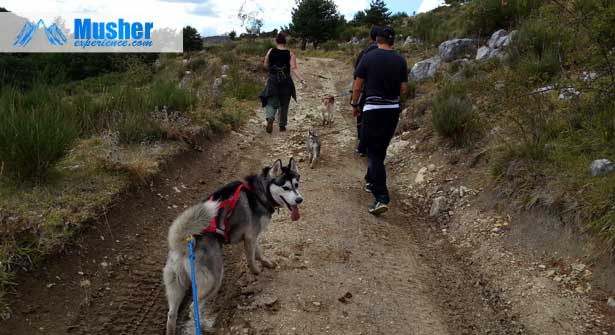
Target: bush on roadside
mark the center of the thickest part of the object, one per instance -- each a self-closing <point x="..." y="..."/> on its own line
<point x="168" y="93"/>
<point x="36" y="130"/>
<point x="241" y="84"/>
<point x="483" y="17"/>
<point x="454" y="116"/>
<point x="539" y="50"/>
<point x="330" y="45"/>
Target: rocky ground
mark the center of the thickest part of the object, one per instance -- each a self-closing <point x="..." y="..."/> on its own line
<point x="442" y="261"/>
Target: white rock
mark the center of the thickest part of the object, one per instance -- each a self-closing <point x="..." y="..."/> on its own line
<point x="498" y="39"/>
<point x="611" y="302"/>
<point x="457" y="48"/>
<point x="483" y="53"/>
<point x="578" y="267"/>
<point x="425" y="69"/>
<point x="589" y="76"/>
<point x="544" y="90"/>
<point x="437" y="206"/>
<point x="601" y="167"/>
<point x="568" y="93"/>
<point x="420" y="176"/>
<point x="431" y="167"/>
<point x="463" y="191"/>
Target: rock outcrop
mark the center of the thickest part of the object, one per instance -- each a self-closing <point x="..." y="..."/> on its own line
<point x="456" y="49"/>
<point x="425" y="69"/>
<point x="496" y="45"/>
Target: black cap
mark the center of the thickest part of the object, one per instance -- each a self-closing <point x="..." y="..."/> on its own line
<point x="388" y="33"/>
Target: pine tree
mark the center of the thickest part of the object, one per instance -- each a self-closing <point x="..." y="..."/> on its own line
<point x="192" y="39"/>
<point x="377" y="14"/>
<point x="315" y="21"/>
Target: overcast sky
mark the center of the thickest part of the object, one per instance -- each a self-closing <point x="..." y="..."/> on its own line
<point x="210" y="17"/>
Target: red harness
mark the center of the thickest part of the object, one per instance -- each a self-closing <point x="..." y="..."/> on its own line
<point x="224" y="228"/>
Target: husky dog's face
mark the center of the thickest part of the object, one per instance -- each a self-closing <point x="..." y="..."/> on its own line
<point x="313" y="135"/>
<point x="284" y="187"/>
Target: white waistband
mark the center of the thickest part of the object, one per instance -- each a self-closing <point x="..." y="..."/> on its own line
<point x="372" y="107"/>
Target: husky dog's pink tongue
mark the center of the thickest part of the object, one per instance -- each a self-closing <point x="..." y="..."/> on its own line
<point x="294" y="213"/>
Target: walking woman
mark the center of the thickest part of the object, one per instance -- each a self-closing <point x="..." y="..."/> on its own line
<point x="280" y="62"/>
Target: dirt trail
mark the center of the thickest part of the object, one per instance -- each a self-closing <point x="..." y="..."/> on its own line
<point x="340" y="270"/>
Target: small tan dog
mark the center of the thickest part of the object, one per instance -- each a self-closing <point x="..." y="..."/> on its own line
<point x="327" y="109"/>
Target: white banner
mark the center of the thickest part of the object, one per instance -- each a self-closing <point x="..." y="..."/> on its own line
<point x="79" y="32"/>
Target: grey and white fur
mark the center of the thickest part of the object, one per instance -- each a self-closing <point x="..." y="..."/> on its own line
<point x="275" y="187"/>
<point x="313" y="145"/>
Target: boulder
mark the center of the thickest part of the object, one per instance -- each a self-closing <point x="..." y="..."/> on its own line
<point x="568" y="93"/>
<point x="354" y="41"/>
<point x="437" y="206"/>
<point x="425" y="69"/>
<point x="483" y="53"/>
<point x="589" y="76"/>
<point x="457" y="48"/>
<point x="600" y="167"/>
<point x="499" y="39"/>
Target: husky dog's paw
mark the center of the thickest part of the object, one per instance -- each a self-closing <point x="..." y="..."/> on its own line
<point x="269" y="264"/>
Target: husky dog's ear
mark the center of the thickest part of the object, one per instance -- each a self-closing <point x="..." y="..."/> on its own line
<point x="292" y="165"/>
<point x="276" y="169"/>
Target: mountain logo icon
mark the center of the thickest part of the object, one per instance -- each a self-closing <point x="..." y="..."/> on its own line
<point x="53" y="32"/>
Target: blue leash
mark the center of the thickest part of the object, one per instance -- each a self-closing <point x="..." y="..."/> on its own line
<point x="195" y="297"/>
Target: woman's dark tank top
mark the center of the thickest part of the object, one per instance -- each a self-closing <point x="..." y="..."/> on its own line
<point x="279" y="60"/>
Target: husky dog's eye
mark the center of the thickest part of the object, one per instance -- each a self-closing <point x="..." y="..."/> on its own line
<point x="286" y="188"/>
<point x="297" y="185"/>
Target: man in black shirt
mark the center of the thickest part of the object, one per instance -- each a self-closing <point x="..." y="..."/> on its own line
<point x="372" y="46"/>
<point x="383" y="75"/>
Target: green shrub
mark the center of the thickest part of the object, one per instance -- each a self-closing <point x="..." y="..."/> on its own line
<point x="36" y="130"/>
<point x="454" y="116"/>
<point x="197" y="64"/>
<point x="232" y="113"/>
<point x="254" y="48"/>
<point x="330" y="45"/>
<point x="168" y="93"/>
<point x="241" y="84"/>
<point x="539" y="49"/>
<point x="483" y="17"/>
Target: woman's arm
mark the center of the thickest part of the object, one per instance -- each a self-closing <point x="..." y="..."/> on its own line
<point x="266" y="61"/>
<point x="293" y="67"/>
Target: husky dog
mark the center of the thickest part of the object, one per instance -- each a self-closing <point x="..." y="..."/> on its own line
<point x="313" y="146"/>
<point x="275" y="187"/>
<point x="327" y="109"/>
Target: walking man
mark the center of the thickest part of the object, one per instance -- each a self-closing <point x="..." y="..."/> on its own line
<point x="372" y="46"/>
<point x="383" y="74"/>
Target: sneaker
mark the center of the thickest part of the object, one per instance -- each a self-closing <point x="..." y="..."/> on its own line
<point x="269" y="126"/>
<point x="282" y="128"/>
<point x="378" y="208"/>
<point x="368" y="187"/>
